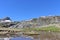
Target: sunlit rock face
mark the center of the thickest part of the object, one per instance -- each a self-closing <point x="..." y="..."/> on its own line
<point x="6" y="22"/>
<point x="45" y="20"/>
<point x="38" y="22"/>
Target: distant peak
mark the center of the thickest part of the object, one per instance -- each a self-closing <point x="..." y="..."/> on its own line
<point x="6" y="18"/>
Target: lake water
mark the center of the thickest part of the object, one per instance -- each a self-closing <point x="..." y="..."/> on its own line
<point x="44" y="35"/>
<point x="19" y="38"/>
<point x="22" y="38"/>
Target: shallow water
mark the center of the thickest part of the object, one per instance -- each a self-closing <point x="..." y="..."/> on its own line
<point x="43" y="35"/>
<point x="22" y="38"/>
<point x="19" y="38"/>
<point x="46" y="35"/>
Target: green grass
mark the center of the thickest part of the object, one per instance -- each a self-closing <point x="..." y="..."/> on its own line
<point x="50" y="28"/>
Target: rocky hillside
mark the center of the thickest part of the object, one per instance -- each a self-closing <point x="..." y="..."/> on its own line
<point x="35" y="22"/>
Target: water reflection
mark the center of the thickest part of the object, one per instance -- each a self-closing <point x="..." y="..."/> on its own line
<point x="43" y="35"/>
<point x="22" y="38"/>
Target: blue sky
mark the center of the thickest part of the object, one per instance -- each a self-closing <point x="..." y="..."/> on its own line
<point x="27" y="9"/>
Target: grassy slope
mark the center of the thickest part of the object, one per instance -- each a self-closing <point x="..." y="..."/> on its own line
<point x="50" y="28"/>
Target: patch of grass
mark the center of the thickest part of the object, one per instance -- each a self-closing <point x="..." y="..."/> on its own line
<point x="50" y="28"/>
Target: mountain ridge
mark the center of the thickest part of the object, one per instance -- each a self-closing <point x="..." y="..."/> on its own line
<point x="35" y="22"/>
